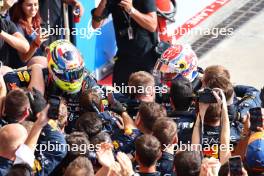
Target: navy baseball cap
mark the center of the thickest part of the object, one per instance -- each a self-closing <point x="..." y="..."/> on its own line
<point x="255" y="153"/>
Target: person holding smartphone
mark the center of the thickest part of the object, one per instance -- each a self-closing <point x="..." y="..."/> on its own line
<point x="25" y="14"/>
<point x="254" y="123"/>
<point x="251" y="145"/>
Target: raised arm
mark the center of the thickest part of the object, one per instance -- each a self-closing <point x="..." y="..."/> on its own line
<point x="224" y="151"/>
<point x="37" y="79"/>
<point x="34" y="46"/>
<point x="16" y="41"/>
<point x="196" y="136"/>
<point x="98" y="14"/>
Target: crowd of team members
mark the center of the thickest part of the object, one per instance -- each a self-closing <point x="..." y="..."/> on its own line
<point x="145" y="133"/>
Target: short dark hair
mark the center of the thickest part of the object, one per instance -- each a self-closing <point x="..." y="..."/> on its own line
<point x="89" y="123"/>
<point x="224" y="169"/>
<point x="89" y="100"/>
<point x="213" y="113"/>
<point x="22" y="169"/>
<point x="165" y="130"/>
<point x="181" y="93"/>
<point x="100" y="138"/>
<point x="80" y="164"/>
<point x="148" y="150"/>
<point x="15" y="103"/>
<point x="187" y="163"/>
<point x="77" y="138"/>
<point x="149" y="112"/>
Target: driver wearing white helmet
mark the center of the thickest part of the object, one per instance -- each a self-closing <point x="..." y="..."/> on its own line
<point x="175" y="62"/>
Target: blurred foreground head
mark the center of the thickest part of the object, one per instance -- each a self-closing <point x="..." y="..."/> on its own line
<point x="5" y="5"/>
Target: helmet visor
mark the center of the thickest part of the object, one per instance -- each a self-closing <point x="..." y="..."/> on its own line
<point x="164" y="66"/>
<point x="161" y="65"/>
<point x="168" y="76"/>
<point x="68" y="76"/>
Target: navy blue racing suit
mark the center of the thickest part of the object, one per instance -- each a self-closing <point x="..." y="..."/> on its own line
<point x="185" y="121"/>
<point x="165" y="164"/>
<point x="246" y="97"/>
<point x="249" y="98"/>
<point x="125" y="142"/>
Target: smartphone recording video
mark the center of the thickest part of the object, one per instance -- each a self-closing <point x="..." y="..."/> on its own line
<point x="255" y="118"/>
<point x="235" y="166"/>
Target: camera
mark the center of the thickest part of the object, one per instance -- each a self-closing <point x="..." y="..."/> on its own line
<point x="37" y="103"/>
<point x="53" y="111"/>
<point x="206" y="96"/>
<point x="235" y="166"/>
<point x="255" y="118"/>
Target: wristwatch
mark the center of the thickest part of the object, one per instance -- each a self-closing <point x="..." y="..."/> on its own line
<point x="96" y="18"/>
<point x="131" y="11"/>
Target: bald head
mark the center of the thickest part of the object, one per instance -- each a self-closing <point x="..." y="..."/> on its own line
<point x="11" y="137"/>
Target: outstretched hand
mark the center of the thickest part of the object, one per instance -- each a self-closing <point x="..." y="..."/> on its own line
<point x="210" y="167"/>
<point x="125" y="164"/>
<point x="105" y="155"/>
<point x="115" y="105"/>
<point x="42" y="117"/>
<point x="220" y="96"/>
<point x="126" y="4"/>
